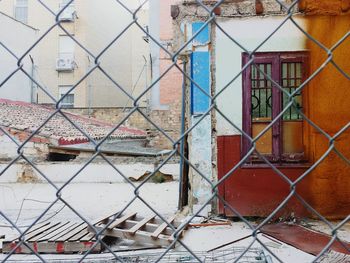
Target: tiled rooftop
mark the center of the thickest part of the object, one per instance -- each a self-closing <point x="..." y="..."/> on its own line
<point x="28" y="117"/>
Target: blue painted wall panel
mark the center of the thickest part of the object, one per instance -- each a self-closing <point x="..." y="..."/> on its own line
<point x="200" y="73"/>
<point x="203" y="37"/>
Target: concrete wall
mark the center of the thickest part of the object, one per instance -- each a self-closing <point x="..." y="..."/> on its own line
<point x="19" y="87"/>
<point x="34" y="149"/>
<point x="93" y="173"/>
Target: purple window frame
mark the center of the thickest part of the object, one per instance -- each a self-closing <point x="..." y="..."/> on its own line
<point x="275" y="59"/>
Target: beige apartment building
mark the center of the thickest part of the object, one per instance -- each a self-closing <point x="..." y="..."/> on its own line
<point x="60" y="62"/>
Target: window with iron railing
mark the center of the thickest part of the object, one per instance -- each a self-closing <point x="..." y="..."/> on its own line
<point x="263" y="101"/>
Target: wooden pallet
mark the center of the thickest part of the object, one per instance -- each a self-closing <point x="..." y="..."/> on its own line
<point x="56" y="238"/>
<point x="144" y="230"/>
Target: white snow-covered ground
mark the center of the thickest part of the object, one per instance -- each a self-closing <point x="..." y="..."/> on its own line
<point x="94" y="200"/>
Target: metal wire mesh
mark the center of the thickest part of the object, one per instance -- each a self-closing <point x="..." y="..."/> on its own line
<point x="229" y="255"/>
<point x="209" y="17"/>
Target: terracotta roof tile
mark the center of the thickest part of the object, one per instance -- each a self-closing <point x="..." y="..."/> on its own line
<point x="29" y="117"/>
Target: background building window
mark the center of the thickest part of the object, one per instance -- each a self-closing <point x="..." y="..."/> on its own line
<point x="65" y="60"/>
<point x="21" y="11"/>
<point x="263" y="102"/>
<point x="68" y="101"/>
<point x="68" y="13"/>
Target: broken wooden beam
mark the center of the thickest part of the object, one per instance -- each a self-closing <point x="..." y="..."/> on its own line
<point x="148" y="230"/>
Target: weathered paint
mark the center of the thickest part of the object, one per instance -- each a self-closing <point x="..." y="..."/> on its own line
<point x="257" y="191"/>
<point x="328" y="96"/>
<point x="201" y="158"/>
<point x="203" y="37"/>
<point x="325" y="7"/>
<point x="200" y="68"/>
<point x="200" y="138"/>
<point x="254" y="191"/>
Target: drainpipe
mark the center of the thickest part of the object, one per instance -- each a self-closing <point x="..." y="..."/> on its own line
<point x="89" y="86"/>
<point x="32" y="86"/>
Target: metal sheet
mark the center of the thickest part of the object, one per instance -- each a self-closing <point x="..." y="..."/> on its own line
<point x="304" y="239"/>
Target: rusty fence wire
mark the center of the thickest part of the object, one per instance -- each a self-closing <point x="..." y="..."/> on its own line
<point x="214" y="108"/>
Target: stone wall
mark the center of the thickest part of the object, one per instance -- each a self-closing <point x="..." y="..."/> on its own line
<point x="232" y="8"/>
<point x="169" y="120"/>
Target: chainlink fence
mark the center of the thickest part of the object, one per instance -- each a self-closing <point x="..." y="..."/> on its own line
<point x="208" y="18"/>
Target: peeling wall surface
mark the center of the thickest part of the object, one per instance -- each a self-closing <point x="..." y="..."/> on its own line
<point x="257" y="191"/>
<point x="9" y="148"/>
<point x="328" y="93"/>
<point x="200" y="152"/>
<point x="200" y="155"/>
<point x="250" y="33"/>
<point x="326" y="188"/>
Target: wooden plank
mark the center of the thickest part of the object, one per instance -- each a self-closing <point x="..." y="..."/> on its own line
<point x="33" y="228"/>
<point x="79" y="232"/>
<point x="90" y="237"/>
<point x="46" y="232"/>
<point x="104" y="219"/>
<point x="120" y="220"/>
<point x="149" y="227"/>
<point x="141" y="224"/>
<point x="156" y="221"/>
<point x="79" y="235"/>
<point x="37" y="226"/>
<point x="140" y="236"/>
<point x="40" y="230"/>
<point x="67" y="236"/>
<point x="58" y="231"/>
<point x="52" y="247"/>
<point x="162" y="227"/>
<point x="67" y="231"/>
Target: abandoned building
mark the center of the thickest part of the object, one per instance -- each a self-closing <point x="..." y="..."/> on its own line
<point x="296" y="113"/>
<point x="175" y="131"/>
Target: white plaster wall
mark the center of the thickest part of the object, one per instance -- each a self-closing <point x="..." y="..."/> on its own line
<point x="8" y="147"/>
<point x="61" y="172"/>
<point x="250" y="33"/>
<point x="19" y="86"/>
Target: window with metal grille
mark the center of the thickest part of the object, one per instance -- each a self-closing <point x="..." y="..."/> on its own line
<point x="21" y="11"/>
<point x="263" y="101"/>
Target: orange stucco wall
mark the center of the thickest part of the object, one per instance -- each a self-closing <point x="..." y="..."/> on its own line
<point x="325" y="7"/>
<point x="328" y="95"/>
